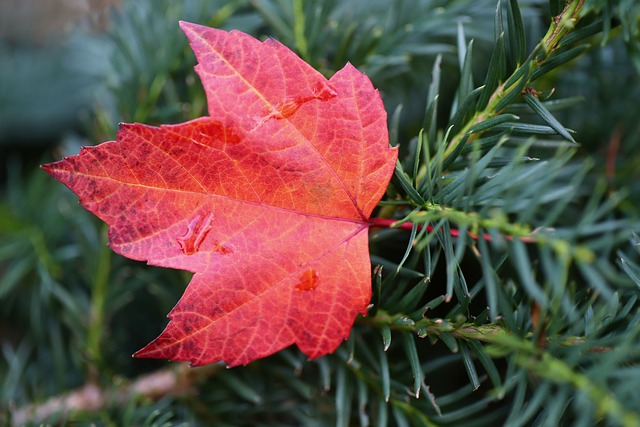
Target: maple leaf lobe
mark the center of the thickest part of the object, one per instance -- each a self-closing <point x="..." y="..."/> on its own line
<point x="266" y="200"/>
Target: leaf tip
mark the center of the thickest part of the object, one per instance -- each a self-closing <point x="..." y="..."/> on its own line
<point x="192" y="30"/>
<point x="186" y="26"/>
<point x="48" y="168"/>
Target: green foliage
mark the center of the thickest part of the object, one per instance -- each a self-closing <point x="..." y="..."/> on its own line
<point x="512" y="299"/>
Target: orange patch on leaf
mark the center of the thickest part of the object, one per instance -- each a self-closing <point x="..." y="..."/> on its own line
<point x="308" y="281"/>
<point x="217" y="247"/>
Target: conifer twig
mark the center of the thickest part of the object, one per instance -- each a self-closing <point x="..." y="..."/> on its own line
<point x="560" y="26"/>
<point x="391" y="223"/>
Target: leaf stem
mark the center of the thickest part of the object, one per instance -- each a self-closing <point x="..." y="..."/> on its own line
<point x="407" y="225"/>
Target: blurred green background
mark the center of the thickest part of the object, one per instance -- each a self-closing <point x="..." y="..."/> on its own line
<point x="71" y="312"/>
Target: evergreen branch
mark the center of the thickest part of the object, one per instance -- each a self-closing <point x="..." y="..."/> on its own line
<point x="492" y="333"/>
<point x="435" y="327"/>
<point x="406" y="225"/>
<point x="474" y="222"/>
<point x="506" y="92"/>
<point x="531" y="355"/>
<point x="562" y="24"/>
<point x="435" y="212"/>
<point x="373" y="382"/>
<point x="545" y="366"/>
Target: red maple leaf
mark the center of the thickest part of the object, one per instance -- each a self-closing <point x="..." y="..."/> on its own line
<point x="267" y="200"/>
